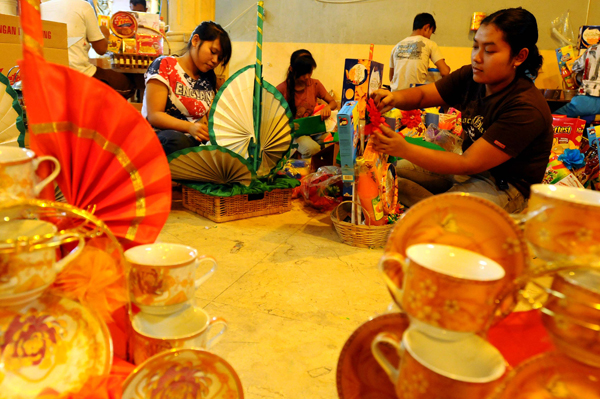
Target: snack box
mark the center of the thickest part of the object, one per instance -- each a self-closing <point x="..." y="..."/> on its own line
<point x="104" y="20"/>
<point x="557" y="173"/>
<point x="348" y="119"/>
<point x="588" y="36"/>
<point x="114" y="43"/>
<point x="129" y="46"/>
<point x="149" y="44"/>
<point x="566" y="57"/>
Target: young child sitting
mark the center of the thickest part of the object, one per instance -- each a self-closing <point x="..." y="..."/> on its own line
<point x="306" y="92"/>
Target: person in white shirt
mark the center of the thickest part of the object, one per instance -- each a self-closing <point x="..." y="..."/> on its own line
<point x="409" y="61"/>
<point x="83" y="32"/>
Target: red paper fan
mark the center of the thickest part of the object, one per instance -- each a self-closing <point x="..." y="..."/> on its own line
<point x="110" y="157"/>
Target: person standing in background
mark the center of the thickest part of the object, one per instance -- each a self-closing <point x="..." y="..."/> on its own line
<point x="138" y="5"/>
<point x="83" y="32"/>
<point x="409" y="61"/>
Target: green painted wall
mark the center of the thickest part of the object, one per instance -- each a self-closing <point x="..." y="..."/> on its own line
<point x="386" y="21"/>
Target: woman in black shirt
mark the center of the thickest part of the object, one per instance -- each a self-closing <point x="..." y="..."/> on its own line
<point x="499" y="104"/>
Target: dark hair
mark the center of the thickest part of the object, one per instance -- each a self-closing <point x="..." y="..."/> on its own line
<point x="424" y="19"/>
<point x="138" y="2"/>
<point x="301" y="63"/>
<point x="520" y="31"/>
<point x="210" y="31"/>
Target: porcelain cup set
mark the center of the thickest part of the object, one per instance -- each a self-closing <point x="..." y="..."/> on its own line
<point x="28" y="260"/>
<point x="452" y="296"/>
<point x="162" y="285"/>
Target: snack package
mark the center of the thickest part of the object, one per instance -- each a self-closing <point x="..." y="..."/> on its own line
<point x="567" y="133"/>
<point x="447" y="122"/>
<point x="588" y="36"/>
<point x="458" y="126"/>
<point x="557" y="173"/>
<point x="566" y="57"/>
<point x="323" y="189"/>
<point x="149" y="44"/>
<point x="129" y="46"/>
<point x="589" y="173"/>
<point x="104" y="20"/>
<point x="114" y="43"/>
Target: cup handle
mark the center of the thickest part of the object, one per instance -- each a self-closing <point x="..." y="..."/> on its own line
<point x="383" y="361"/>
<point x="58" y="266"/>
<point x="521" y="219"/>
<point x="213" y="322"/>
<point x="199" y="260"/>
<point x="38" y="187"/>
<point x="386" y="277"/>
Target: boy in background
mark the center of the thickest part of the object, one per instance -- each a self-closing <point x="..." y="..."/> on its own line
<point x="409" y="61"/>
<point x="138" y="5"/>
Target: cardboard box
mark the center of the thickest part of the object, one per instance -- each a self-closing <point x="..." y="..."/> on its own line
<point x="55" y="44"/>
<point x="588" y="36"/>
<point x="348" y="133"/>
<point x="361" y="78"/>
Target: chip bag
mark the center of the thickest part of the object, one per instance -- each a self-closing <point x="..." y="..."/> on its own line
<point x="589" y="173"/>
<point x="567" y="133"/>
<point x="323" y="189"/>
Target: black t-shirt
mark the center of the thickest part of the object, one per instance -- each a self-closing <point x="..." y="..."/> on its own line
<point x="516" y="120"/>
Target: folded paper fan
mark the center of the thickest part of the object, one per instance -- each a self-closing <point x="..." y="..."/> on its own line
<point x="275" y="136"/>
<point x="11" y="115"/>
<point x="110" y="157"/>
<point x="210" y="163"/>
<point x="230" y="122"/>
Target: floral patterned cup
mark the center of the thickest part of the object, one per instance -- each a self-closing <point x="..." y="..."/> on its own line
<point x="28" y="258"/>
<point x="429" y="368"/>
<point x="449" y="291"/>
<point x="17" y="173"/>
<point x="562" y="223"/>
<point x="163" y="279"/>
<point x="572" y="315"/>
<point x="191" y="327"/>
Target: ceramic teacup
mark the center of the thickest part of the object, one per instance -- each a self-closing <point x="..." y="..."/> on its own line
<point x="449" y="291"/>
<point x="572" y="315"/>
<point x="190" y="327"/>
<point x="429" y="368"/>
<point x="562" y="222"/>
<point x="28" y="258"/>
<point x="17" y="173"/>
<point x="163" y="278"/>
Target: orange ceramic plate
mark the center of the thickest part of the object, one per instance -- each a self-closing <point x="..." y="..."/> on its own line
<point x="52" y="342"/>
<point x="183" y="374"/>
<point x="464" y="221"/>
<point x="548" y="376"/>
<point x="359" y="376"/>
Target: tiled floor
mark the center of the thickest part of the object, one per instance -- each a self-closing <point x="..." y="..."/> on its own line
<point x="291" y="293"/>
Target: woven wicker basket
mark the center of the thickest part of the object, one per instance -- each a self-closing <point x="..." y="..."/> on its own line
<point x="358" y="235"/>
<point x="224" y="209"/>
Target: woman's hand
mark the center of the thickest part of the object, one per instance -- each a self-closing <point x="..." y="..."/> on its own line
<point x="389" y="142"/>
<point x="199" y="131"/>
<point x="384" y="100"/>
<point x="325" y="112"/>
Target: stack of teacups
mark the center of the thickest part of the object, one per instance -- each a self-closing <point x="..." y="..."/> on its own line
<point x="28" y="263"/>
<point x="450" y="295"/>
<point x="162" y="286"/>
<point x="563" y="228"/>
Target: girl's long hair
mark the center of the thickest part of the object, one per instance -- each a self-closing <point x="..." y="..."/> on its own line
<point x="301" y="63"/>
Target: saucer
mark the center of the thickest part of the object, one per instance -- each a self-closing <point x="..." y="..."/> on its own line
<point x="359" y="376"/>
<point x="548" y="376"/>
<point x="185" y="323"/>
<point x="51" y="342"/>
<point x="463" y="221"/>
<point x="183" y="374"/>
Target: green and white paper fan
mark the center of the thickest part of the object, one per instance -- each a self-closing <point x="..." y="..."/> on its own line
<point x="210" y="163"/>
<point x="231" y="121"/>
<point x="275" y="133"/>
<point x="11" y="115"/>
